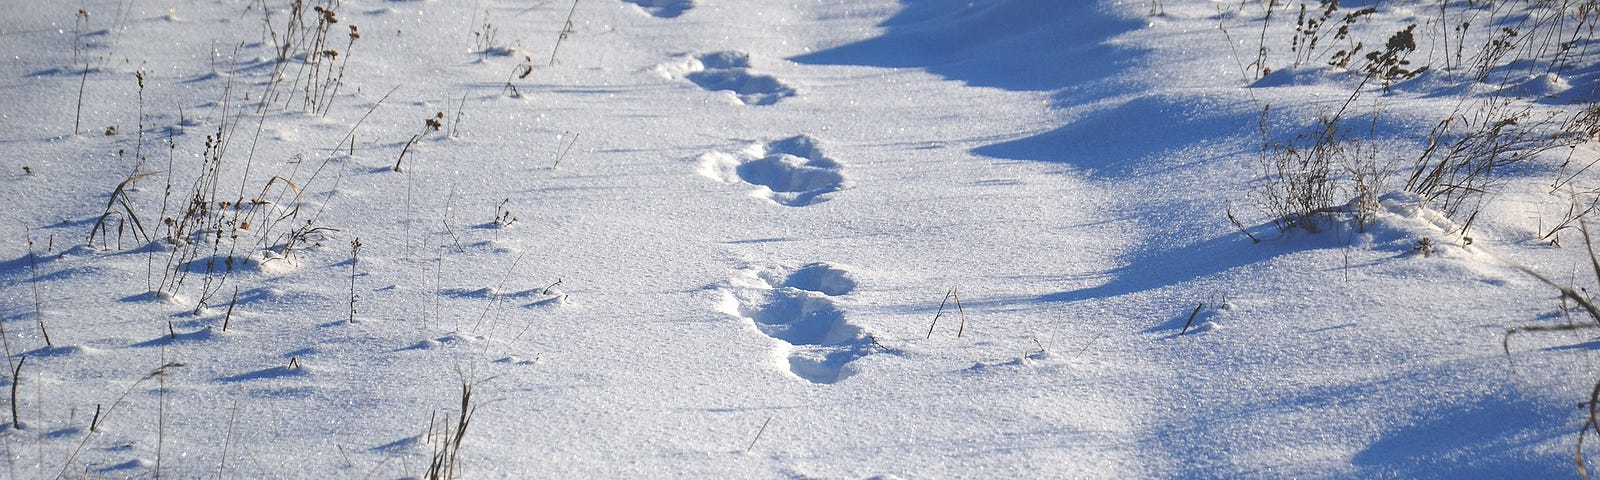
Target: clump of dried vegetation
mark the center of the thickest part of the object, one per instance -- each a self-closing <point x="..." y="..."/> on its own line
<point x="1480" y="51"/>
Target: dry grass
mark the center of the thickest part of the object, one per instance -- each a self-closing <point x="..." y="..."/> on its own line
<point x="446" y="437"/>
<point x="119" y="208"/>
<point x="948" y="296"/>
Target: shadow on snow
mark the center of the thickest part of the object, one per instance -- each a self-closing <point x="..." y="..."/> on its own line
<point x="1036" y="45"/>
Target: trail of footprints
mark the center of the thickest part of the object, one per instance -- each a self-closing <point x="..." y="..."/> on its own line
<point x="800" y="309"/>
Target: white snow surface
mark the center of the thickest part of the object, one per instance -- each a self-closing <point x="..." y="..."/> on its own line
<point x="744" y="239"/>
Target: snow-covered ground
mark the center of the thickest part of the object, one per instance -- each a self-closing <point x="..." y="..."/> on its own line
<point x="797" y="239"/>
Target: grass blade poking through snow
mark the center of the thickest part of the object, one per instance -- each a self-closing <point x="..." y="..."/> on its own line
<point x="119" y="197"/>
<point x="16" y="378"/>
<point x="1193" y="314"/>
<point x="447" y="449"/>
<point x="758" y="435"/>
<point x="566" y="28"/>
<point x="564" y="150"/>
<point x="355" y="257"/>
<point x="38" y="301"/>
<point x="948" y="295"/>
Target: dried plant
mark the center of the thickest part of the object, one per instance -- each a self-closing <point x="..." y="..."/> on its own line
<point x="566" y="28"/>
<point x="518" y="72"/>
<point x="446" y="437"/>
<point x="430" y="124"/>
<point x="1467" y="149"/>
<point x="1391" y="63"/>
<point x="120" y="208"/>
<point x="1311" y="40"/>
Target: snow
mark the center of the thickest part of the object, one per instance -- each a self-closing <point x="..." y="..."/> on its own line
<point x="761" y="239"/>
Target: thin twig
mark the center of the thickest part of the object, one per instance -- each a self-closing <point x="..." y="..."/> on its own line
<point x="564" y="151"/>
<point x="957" y="295"/>
<point x="1193" y="314"/>
<point x="938" y="314"/>
<point x="1239" y="224"/>
<point x="758" y="435"/>
<point x="565" y="29"/>
<point x="16" y="378"/>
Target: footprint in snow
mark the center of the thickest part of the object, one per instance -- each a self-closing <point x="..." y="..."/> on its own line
<point x="799" y="309"/>
<point x="730" y="72"/>
<point x="663" y="8"/>
<point x="792" y="172"/>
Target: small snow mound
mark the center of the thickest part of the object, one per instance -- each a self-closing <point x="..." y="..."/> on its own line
<point x="1546" y="85"/>
<point x="165" y="298"/>
<point x="983" y="367"/>
<point x="293" y="369"/>
<point x="494" y="246"/>
<point x="137" y="464"/>
<point x="1302" y="76"/>
<point x="62" y="351"/>
<point x="727" y="303"/>
<point x="1404" y="221"/>
<point x="259" y="262"/>
<point x="483" y="292"/>
<point x="432" y="343"/>
<point x="1032" y="361"/>
<point x="79" y="250"/>
<point x="516" y="360"/>
<point x="551" y="298"/>
<point x="1403" y="226"/>
<point x="170" y="298"/>
<point x="201" y="335"/>
<point x="663" y="8"/>
<point x="499" y="51"/>
<point x="407" y="443"/>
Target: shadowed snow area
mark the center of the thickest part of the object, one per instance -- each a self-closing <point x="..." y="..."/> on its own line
<point x="1010" y="44"/>
<point x="1116" y="140"/>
